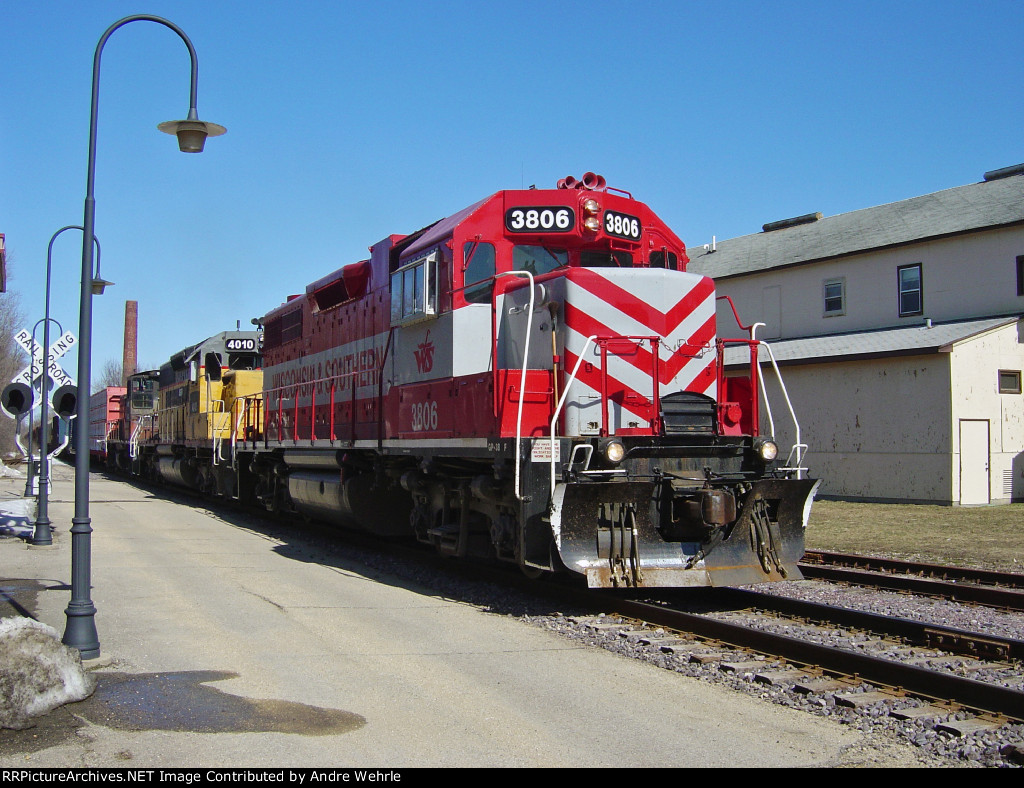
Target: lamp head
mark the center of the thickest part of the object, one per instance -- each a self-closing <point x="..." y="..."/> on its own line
<point x="99" y="285"/>
<point x="191" y="133"/>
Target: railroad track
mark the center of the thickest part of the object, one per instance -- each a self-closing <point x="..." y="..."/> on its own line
<point x="915" y="670"/>
<point x="995" y="589"/>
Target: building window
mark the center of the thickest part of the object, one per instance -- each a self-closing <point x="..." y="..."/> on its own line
<point x="911" y="291"/>
<point x="834" y="291"/>
<point x="1020" y="275"/>
<point x="1009" y="381"/>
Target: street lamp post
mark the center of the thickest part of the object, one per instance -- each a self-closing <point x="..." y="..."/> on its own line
<point x="80" y="631"/>
<point x="41" y="535"/>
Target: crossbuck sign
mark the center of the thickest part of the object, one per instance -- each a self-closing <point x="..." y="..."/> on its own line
<point x="34" y="371"/>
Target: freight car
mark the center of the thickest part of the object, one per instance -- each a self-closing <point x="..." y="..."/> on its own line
<point x="105" y="412"/>
<point x="535" y="379"/>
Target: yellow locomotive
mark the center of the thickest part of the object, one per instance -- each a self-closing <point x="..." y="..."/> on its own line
<point x="202" y="393"/>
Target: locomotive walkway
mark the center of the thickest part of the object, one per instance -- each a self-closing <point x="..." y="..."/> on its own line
<point x="224" y="645"/>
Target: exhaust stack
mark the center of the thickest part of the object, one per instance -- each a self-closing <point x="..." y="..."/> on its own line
<point x="130" y="359"/>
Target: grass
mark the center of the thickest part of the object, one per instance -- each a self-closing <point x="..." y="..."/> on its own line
<point x="988" y="537"/>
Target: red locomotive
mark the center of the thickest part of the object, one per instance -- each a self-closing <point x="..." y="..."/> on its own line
<point x="535" y="378"/>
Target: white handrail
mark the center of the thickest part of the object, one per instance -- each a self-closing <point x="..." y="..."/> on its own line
<point x="133" y="440"/>
<point x="760" y="381"/>
<point x="561" y="402"/>
<point x="522" y="379"/>
<point x="217" y="440"/>
<point x="798" y="446"/>
<point x="234" y="433"/>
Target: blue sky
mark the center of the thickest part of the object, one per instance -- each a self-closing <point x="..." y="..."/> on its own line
<point x="350" y="121"/>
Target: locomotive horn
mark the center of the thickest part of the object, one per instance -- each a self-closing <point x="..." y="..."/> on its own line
<point x="560" y="184"/>
<point x="570" y="182"/>
<point x="601" y="183"/>
<point x="590" y="180"/>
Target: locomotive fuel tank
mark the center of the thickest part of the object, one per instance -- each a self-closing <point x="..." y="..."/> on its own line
<point x="317" y="488"/>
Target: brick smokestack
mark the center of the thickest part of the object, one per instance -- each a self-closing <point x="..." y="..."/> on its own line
<point x="131" y="341"/>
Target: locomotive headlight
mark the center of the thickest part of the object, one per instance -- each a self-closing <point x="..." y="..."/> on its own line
<point x="592" y="223"/>
<point x="591" y="215"/>
<point x="767" y="450"/>
<point x="592" y="207"/>
<point x="613" y="451"/>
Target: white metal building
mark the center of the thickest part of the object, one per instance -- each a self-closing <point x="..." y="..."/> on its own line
<point x="900" y="336"/>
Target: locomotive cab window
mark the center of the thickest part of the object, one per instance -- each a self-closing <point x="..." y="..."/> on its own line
<point x="244" y="361"/>
<point x="478" y="274"/>
<point x="538" y="259"/>
<point x="658" y="260"/>
<point x="609" y="259"/>
<point x="142" y="401"/>
<point x="414" y="290"/>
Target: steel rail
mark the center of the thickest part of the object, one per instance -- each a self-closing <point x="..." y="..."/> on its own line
<point x="970" y="693"/>
<point x="958" y="641"/>
<point x="939" y="571"/>
<point x="991" y="596"/>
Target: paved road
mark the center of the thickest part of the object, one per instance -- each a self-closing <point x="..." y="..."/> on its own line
<point x="222" y="646"/>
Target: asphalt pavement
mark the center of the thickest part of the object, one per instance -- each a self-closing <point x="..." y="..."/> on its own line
<point x="224" y="646"/>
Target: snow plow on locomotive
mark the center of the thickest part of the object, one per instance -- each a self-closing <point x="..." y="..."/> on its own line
<point x="535" y="378"/>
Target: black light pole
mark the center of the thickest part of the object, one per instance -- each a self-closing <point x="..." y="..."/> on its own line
<point x="42" y="535"/>
<point x="80" y="631"/>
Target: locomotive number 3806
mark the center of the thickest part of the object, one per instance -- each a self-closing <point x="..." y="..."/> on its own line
<point x="424" y="416"/>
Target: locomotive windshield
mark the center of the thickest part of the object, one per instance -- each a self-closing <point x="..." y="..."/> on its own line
<point x="244" y="361"/>
<point x="538" y="259"/>
<point x="609" y="259"/>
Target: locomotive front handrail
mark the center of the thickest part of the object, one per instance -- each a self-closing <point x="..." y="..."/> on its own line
<point x="133" y="441"/>
<point x="797" y="451"/>
<point x="526" y="361"/>
<point x="796" y="456"/>
<point x="561" y="402"/>
<point x="236" y="427"/>
<point x="217" y="440"/>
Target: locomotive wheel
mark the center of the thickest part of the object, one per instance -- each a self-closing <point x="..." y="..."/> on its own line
<point x="531" y="572"/>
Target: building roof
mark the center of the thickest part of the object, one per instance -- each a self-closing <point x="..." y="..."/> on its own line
<point x="901" y="341"/>
<point x="977" y="206"/>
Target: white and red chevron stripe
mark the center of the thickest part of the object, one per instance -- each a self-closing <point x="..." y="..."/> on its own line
<point x="676" y="307"/>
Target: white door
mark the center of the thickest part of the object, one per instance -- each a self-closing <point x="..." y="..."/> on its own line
<point x="974" y="476"/>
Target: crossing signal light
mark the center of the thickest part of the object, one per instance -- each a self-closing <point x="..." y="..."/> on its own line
<point x="65" y="401"/>
<point x="16" y="399"/>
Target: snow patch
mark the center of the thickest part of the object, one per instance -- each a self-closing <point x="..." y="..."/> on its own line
<point x="38" y="673"/>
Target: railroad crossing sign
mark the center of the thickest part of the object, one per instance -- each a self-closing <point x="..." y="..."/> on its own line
<point x="34" y="371"/>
